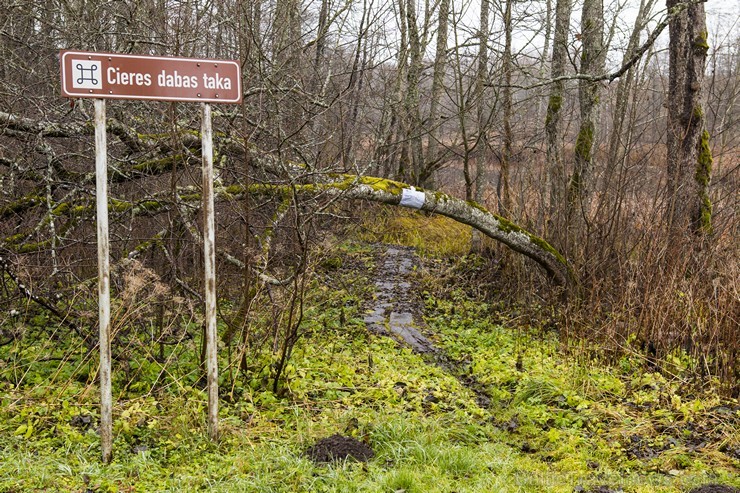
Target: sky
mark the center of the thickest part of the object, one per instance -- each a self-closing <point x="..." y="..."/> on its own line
<point x="723" y="19"/>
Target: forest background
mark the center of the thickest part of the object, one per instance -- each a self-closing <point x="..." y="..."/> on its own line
<point x="601" y="136"/>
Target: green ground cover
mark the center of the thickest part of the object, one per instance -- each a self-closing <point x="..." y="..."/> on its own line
<point x="552" y="423"/>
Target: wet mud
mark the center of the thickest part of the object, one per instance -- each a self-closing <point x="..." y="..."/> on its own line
<point x="397" y="312"/>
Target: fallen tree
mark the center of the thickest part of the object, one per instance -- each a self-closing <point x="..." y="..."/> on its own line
<point x="467" y="212"/>
<point x="292" y="178"/>
<point x="365" y="188"/>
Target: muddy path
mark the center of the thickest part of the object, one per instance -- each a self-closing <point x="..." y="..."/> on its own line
<point x="397" y="308"/>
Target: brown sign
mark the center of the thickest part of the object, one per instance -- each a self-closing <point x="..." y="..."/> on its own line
<point x="157" y="78"/>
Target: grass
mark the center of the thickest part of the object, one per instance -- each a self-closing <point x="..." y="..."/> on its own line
<point x="553" y="422"/>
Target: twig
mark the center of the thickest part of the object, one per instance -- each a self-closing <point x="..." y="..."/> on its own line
<point x="610" y="77"/>
<point x="23" y="289"/>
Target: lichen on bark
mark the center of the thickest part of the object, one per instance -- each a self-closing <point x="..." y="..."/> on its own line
<point x="553" y="107"/>
<point x="702" y="177"/>
<point x="585" y="142"/>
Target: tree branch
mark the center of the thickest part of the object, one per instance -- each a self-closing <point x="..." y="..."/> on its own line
<point x="639" y="52"/>
<point x="64" y="318"/>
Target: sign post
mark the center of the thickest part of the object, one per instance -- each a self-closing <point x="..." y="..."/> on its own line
<point x="209" y="257"/>
<point x="101" y="202"/>
<point x="120" y="76"/>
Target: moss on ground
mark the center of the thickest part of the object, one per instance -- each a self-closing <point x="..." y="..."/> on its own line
<point x="553" y="423"/>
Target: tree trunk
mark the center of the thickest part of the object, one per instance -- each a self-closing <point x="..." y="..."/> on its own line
<point x="474" y="180"/>
<point x="617" y="150"/>
<point x="354" y="88"/>
<point x="689" y="158"/>
<point x="434" y="146"/>
<point x="593" y="57"/>
<point x="504" y="194"/>
<point x="461" y="109"/>
<point x="412" y="99"/>
<point x="492" y="225"/>
<point x="394" y="147"/>
<point x="553" y="126"/>
<point x="286" y="59"/>
<point x="621" y="138"/>
<point x="545" y="54"/>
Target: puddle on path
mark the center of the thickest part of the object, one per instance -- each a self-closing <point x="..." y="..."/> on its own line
<point x="393" y="309"/>
<point x="396" y="312"/>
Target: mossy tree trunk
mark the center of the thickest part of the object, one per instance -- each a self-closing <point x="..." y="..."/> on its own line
<point x="293" y="179"/>
<point x="503" y="188"/>
<point x="593" y="57"/>
<point x="689" y="158"/>
<point x="553" y="118"/>
<point x="467" y="212"/>
<point x="353" y="187"/>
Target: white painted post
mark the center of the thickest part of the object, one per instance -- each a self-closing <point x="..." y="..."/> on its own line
<point x="209" y="256"/>
<point x="101" y="199"/>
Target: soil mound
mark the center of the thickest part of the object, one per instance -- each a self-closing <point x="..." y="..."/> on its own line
<point x="339" y="447"/>
<point x="715" y="488"/>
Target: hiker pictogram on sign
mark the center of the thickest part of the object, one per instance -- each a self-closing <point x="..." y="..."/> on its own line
<point x="87" y="74"/>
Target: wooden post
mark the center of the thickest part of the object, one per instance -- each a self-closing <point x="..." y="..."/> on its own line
<point x="101" y="199"/>
<point x="209" y="255"/>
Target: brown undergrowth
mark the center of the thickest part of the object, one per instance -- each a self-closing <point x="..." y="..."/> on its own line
<point x="644" y="290"/>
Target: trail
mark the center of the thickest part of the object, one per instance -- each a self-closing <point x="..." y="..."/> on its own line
<point x="396" y="312"/>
